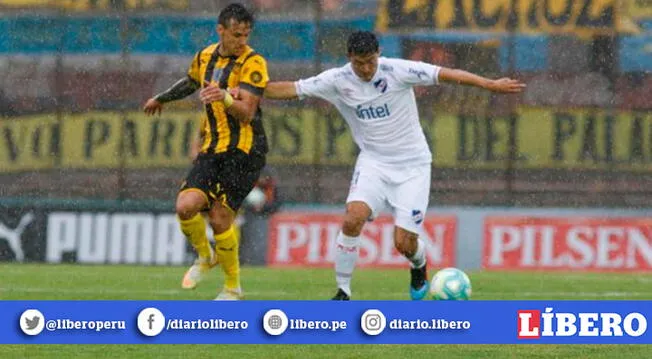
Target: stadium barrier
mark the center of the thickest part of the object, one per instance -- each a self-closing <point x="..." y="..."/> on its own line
<point x="469" y="238"/>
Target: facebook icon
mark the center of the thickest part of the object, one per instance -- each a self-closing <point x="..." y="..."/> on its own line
<point x="151" y="322"/>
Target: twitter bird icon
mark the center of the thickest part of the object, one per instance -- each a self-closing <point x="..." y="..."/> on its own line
<point x="32" y="322"/>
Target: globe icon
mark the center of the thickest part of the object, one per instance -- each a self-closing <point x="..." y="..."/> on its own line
<point x="275" y="322"/>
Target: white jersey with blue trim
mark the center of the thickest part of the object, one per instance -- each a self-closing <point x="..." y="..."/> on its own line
<point x="381" y="113"/>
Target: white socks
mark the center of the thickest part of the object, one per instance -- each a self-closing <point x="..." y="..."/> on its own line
<point x="418" y="260"/>
<point x="346" y="254"/>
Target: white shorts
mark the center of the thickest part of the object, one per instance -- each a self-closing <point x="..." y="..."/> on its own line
<point x="405" y="190"/>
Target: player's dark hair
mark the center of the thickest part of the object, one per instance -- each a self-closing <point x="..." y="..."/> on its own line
<point x="237" y="12"/>
<point x="362" y="43"/>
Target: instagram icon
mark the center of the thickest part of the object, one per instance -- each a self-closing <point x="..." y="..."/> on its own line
<point x="373" y="322"/>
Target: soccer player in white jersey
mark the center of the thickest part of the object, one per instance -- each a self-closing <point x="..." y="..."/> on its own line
<point x="374" y="95"/>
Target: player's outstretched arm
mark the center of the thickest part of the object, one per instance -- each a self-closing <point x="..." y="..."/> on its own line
<point x="281" y="90"/>
<point x="182" y="88"/>
<point x="502" y="85"/>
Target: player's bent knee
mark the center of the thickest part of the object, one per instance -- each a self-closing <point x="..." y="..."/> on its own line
<point x="184" y="211"/>
<point x="189" y="204"/>
<point x="352" y="225"/>
<point x="358" y="209"/>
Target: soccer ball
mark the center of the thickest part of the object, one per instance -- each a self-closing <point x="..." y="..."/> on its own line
<point x="450" y="284"/>
<point x="256" y="198"/>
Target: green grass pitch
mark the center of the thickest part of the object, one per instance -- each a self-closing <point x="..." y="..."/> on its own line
<point x="77" y="282"/>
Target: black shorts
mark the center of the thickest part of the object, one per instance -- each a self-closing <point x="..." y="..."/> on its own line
<point x="224" y="177"/>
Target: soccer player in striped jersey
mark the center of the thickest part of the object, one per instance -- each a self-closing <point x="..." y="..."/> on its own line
<point x="233" y="145"/>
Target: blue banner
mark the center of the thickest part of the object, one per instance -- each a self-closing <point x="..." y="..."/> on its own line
<point x="178" y="35"/>
<point x="325" y="322"/>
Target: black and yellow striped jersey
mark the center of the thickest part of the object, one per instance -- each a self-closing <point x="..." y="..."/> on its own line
<point x="221" y="132"/>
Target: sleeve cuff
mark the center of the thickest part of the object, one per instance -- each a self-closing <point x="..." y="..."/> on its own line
<point x="258" y="91"/>
<point x="297" y="89"/>
<point x="435" y="76"/>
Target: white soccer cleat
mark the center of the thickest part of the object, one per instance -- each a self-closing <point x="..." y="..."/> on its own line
<point x="194" y="275"/>
<point x="196" y="272"/>
<point x="230" y="294"/>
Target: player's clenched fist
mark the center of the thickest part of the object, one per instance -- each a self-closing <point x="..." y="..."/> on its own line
<point x="211" y="93"/>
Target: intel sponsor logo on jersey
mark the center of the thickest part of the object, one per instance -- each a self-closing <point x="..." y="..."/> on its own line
<point x="372" y="112"/>
<point x="533" y="324"/>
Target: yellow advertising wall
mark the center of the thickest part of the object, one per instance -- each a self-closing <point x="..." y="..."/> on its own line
<point x="95" y="140"/>
<point x="543" y="138"/>
<point x="532" y="16"/>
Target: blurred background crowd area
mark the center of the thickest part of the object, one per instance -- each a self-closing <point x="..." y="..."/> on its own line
<point x="263" y="7"/>
<point x="74" y="74"/>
